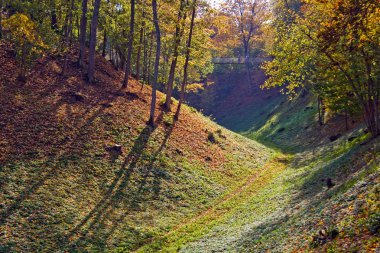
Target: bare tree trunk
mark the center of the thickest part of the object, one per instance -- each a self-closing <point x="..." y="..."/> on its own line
<point x="141" y="41"/>
<point x="130" y="45"/>
<point x="104" y="43"/>
<point x="82" y="38"/>
<point x="150" y="57"/>
<point x="145" y="57"/>
<point x="68" y="33"/>
<point x="156" y="63"/>
<point x="1" y="18"/>
<point x="177" y="41"/>
<point x="94" y="26"/>
<point x="53" y="16"/>
<point x="188" y="47"/>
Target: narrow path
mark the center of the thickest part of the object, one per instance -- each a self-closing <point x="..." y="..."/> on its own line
<point x="278" y="160"/>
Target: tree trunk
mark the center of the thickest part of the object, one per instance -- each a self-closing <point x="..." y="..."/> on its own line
<point x="145" y="57"/>
<point x="1" y="18"/>
<point x="150" y="57"/>
<point x="156" y="63"/>
<point x="141" y="41"/>
<point x="94" y="26"/>
<point x="188" y="46"/>
<point x="177" y="41"/>
<point x="104" y="43"/>
<point x="68" y="33"/>
<point x="53" y="16"/>
<point x="130" y="45"/>
<point x="82" y="38"/>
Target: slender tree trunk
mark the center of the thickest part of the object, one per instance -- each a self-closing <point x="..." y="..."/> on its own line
<point x="150" y="57"/>
<point x="82" y="38"/>
<point x="94" y="26"/>
<point x="1" y="18"/>
<point x="68" y="33"/>
<point x="145" y="57"/>
<point x="130" y="45"/>
<point x="188" y="47"/>
<point x="177" y="41"/>
<point x="104" y="43"/>
<point x="156" y="63"/>
<point x="53" y="16"/>
<point x="141" y="41"/>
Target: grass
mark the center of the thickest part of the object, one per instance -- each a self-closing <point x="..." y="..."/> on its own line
<point x="172" y="188"/>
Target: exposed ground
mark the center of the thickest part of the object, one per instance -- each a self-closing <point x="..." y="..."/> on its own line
<point x="192" y="186"/>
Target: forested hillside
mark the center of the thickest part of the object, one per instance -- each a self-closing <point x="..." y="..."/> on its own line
<point x="105" y="146"/>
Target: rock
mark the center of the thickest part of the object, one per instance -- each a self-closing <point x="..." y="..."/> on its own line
<point x="107" y="105"/>
<point x="329" y="183"/>
<point x="178" y="151"/>
<point x="73" y="97"/>
<point x="115" y="149"/>
<point x="308" y="108"/>
<point x="335" y="137"/>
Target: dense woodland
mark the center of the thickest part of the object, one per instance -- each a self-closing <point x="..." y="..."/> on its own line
<point x="329" y="48"/>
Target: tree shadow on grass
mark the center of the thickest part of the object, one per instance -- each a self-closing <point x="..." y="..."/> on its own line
<point x="122" y="197"/>
<point x="61" y="152"/>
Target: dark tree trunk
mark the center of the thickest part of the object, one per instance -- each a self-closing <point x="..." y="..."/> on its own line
<point x="82" y="38"/>
<point x="130" y="45"/>
<point x="145" y="57"/>
<point x="321" y="111"/>
<point x="53" y="16"/>
<point x="91" y="57"/>
<point x="68" y="34"/>
<point x="177" y="41"/>
<point x="188" y="47"/>
<point x="156" y="63"/>
<point x="1" y="18"/>
<point x="141" y="41"/>
<point x="104" y="43"/>
<point x="150" y="57"/>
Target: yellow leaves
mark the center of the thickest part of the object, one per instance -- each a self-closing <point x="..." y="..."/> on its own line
<point x="23" y="30"/>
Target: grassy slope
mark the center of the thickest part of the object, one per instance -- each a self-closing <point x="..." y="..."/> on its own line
<point x="284" y="214"/>
<point x="171" y="190"/>
<point x="60" y="188"/>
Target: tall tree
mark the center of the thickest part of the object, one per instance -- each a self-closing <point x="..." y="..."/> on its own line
<point x="177" y="40"/>
<point x="91" y="57"/>
<point x="156" y="63"/>
<point x="1" y="18"/>
<point x="140" y="45"/>
<point x="130" y="45"/>
<point x="188" y="47"/>
<point x="53" y="16"/>
<point x="82" y="39"/>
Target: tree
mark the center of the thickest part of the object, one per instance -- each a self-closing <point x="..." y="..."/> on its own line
<point x="91" y="57"/>
<point x="177" y="40"/>
<point x="82" y="34"/>
<point x="188" y="47"/>
<point x="1" y="19"/>
<point x="248" y="17"/>
<point x="130" y="45"/>
<point x="25" y="37"/>
<point x="334" y="49"/>
<point x="156" y="63"/>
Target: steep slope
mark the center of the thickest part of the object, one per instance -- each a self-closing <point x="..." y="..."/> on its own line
<point x="65" y="185"/>
<point x="298" y="210"/>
